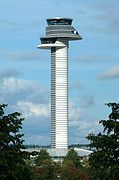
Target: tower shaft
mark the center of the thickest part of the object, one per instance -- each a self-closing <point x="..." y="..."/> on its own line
<point x="59" y="96"/>
<point x="59" y="32"/>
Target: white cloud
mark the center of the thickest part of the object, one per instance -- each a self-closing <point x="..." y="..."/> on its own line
<point x="30" y="109"/>
<point x="15" y="85"/>
<point x="13" y="90"/>
<point x="32" y="100"/>
<point x="74" y="112"/>
<point x="111" y="73"/>
<point x="81" y="123"/>
<point x="78" y="118"/>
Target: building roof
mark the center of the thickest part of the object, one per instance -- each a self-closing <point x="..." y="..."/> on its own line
<point x="62" y="152"/>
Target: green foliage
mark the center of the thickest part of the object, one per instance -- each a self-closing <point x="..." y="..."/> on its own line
<point x="44" y="167"/>
<point x="104" y="162"/>
<point x="12" y="159"/>
<point x="9" y="130"/>
<point x="44" y="171"/>
<point x="72" y="167"/>
<point x="70" y="171"/>
<point x="43" y="155"/>
<point x="73" y="157"/>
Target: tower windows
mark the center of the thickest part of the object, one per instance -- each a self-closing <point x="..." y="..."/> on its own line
<point x="48" y="40"/>
<point x="59" y="21"/>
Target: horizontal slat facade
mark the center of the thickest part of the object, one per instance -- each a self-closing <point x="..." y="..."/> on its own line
<point x="59" y="96"/>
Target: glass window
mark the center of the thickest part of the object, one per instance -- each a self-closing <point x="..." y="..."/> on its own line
<point x="48" y="40"/>
<point x="59" y="22"/>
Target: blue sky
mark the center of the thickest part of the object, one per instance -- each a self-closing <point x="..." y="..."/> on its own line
<point x="93" y="64"/>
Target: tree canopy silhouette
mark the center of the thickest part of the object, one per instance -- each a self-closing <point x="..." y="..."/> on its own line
<point x="12" y="159"/>
<point x="104" y="162"/>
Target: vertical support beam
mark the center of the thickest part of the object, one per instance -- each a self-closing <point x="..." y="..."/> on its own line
<point x="53" y="97"/>
<point x="59" y="96"/>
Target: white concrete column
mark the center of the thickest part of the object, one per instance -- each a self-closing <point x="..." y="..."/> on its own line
<point x="53" y="96"/>
<point x="59" y="96"/>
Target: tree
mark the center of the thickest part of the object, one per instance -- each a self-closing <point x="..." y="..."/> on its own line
<point x="44" y="167"/>
<point x="43" y="155"/>
<point x="70" y="171"/>
<point x="73" y="157"/>
<point x="71" y="166"/>
<point x="104" y="162"/>
<point x="12" y="159"/>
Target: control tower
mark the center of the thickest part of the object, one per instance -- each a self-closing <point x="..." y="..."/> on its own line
<point x="59" y="32"/>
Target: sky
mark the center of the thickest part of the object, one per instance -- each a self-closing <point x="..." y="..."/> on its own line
<point x="93" y="64"/>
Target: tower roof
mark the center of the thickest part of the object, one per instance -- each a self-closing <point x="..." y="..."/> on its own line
<point x="59" y="28"/>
